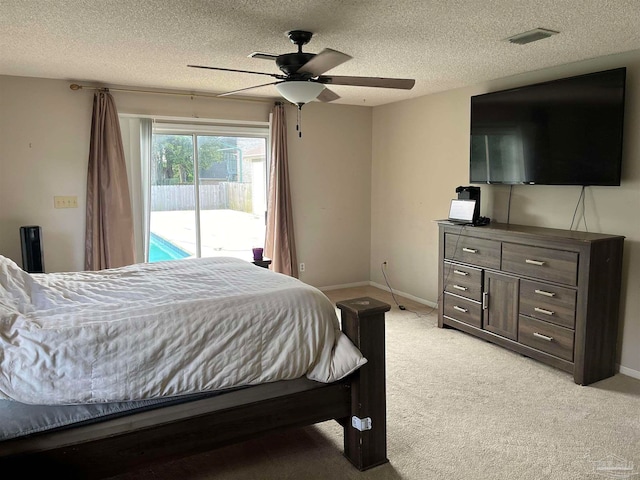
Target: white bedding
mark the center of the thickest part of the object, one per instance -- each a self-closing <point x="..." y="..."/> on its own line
<point x="162" y="329"/>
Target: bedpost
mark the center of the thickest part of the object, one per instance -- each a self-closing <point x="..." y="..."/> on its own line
<point x="365" y="432"/>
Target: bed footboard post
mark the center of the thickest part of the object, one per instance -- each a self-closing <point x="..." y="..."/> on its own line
<point x="365" y="441"/>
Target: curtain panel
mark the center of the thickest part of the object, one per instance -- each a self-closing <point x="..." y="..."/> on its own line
<point x="109" y="241"/>
<point x="279" y="238"/>
<point x="146" y="147"/>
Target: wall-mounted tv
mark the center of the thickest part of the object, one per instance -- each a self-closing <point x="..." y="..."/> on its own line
<point x="563" y="132"/>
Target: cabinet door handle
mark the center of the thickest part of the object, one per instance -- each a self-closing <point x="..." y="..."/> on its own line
<point x="460" y="309"/>
<point x="469" y="250"/>
<point x="543" y="310"/>
<point x="460" y="287"/>
<point x="460" y="272"/>
<point x="545" y="293"/>
<point x="542" y="337"/>
<point x="534" y="262"/>
<point x="485" y="300"/>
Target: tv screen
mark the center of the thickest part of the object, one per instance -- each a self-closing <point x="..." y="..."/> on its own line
<point x="563" y="132"/>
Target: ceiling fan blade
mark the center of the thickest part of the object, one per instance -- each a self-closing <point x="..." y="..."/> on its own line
<point x="324" y="61"/>
<point x="263" y="56"/>
<point x="248" y="88"/>
<point x="401" y="83"/>
<point x="327" y="96"/>
<point x="275" y="75"/>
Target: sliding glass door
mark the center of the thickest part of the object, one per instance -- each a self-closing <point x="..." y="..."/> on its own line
<point x="208" y="192"/>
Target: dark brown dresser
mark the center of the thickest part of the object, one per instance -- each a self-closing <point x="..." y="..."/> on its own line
<point x="550" y="294"/>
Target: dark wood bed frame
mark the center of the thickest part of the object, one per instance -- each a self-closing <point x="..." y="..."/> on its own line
<point x="123" y="444"/>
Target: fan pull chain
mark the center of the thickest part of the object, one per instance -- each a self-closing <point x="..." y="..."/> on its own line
<point x="299" y="121"/>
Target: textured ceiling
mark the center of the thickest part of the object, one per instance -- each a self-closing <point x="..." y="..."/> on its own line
<point x="443" y="44"/>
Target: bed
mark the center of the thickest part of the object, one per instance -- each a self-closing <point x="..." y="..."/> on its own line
<point x="102" y="372"/>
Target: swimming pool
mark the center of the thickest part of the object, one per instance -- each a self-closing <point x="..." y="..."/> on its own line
<point x="161" y="250"/>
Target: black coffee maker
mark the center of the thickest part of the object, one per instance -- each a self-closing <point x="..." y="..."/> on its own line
<point x="473" y="193"/>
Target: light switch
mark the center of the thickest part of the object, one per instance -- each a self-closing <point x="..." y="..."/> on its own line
<point x="65" y="202"/>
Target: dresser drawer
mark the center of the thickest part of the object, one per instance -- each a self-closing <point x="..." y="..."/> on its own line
<point x="548" y="302"/>
<point x="463" y="280"/>
<point x="544" y="336"/>
<point x="477" y="251"/>
<point x="547" y="264"/>
<point x="466" y="311"/>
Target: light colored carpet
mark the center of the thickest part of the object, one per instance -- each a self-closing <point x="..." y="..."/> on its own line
<point x="457" y="408"/>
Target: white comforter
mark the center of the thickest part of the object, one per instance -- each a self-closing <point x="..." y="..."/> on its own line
<point x="162" y="329"/>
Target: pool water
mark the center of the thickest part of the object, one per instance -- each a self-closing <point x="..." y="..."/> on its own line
<point x="161" y="250"/>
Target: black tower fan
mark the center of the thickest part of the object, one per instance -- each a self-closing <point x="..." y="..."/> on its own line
<point x="32" y="258"/>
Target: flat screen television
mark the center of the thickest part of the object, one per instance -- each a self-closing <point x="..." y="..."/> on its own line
<point x="563" y="132"/>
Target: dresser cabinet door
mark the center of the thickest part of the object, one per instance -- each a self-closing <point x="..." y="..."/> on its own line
<point x="501" y="304"/>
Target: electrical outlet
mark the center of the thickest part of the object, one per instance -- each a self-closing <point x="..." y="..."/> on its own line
<point x="301" y="267"/>
<point x="65" y="202"/>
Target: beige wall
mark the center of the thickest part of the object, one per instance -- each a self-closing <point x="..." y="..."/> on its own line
<point x="420" y="154"/>
<point x="332" y="192"/>
<point x="44" y="146"/>
<point x="44" y="127"/>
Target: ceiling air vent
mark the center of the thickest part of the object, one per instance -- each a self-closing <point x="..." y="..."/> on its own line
<point x="531" y="36"/>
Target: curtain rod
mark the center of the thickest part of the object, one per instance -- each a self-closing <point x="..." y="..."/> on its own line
<point x="75" y="86"/>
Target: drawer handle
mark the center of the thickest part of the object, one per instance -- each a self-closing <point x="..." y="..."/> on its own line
<point x="534" y="262"/>
<point x="460" y="272"/>
<point x="460" y="287"/>
<point x="460" y="309"/>
<point x="485" y="300"/>
<point x="543" y="337"/>
<point x="545" y="311"/>
<point x="469" y="250"/>
<point x="545" y="293"/>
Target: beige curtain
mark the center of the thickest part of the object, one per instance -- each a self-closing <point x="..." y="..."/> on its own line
<point x="279" y="242"/>
<point x="109" y="220"/>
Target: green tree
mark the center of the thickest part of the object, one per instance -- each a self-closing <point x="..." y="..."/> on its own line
<point x="173" y="156"/>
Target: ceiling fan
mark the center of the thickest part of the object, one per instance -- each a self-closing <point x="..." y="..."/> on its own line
<point x="302" y="79"/>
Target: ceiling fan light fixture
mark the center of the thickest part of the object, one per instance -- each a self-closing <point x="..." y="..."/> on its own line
<point x="300" y="92"/>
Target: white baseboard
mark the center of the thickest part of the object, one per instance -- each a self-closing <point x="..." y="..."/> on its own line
<point x="630" y="372"/>
<point x="381" y="287"/>
<point x="346" y="285"/>
<point x="405" y="295"/>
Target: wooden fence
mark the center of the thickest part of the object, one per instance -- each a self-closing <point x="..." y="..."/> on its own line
<point x="223" y="195"/>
